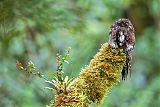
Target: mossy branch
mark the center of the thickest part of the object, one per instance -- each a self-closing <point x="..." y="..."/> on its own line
<point x="94" y="81"/>
<point x="103" y="72"/>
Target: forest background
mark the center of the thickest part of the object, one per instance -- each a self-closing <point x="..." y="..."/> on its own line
<point x="39" y="29"/>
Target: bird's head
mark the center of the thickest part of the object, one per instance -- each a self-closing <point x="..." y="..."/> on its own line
<point x="121" y="35"/>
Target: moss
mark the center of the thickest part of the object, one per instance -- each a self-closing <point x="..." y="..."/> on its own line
<point x="95" y="80"/>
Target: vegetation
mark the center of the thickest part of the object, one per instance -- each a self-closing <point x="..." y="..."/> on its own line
<point x="39" y="29"/>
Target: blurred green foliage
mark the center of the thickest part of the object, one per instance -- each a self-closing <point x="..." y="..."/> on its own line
<point x="38" y="29"/>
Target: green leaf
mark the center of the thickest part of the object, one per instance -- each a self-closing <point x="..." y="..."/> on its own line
<point x="70" y="82"/>
<point x="66" y="79"/>
<point x="30" y="65"/>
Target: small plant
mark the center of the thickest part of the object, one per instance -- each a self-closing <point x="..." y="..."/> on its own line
<point x="60" y="82"/>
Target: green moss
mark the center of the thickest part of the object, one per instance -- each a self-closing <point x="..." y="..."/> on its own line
<point x="96" y="79"/>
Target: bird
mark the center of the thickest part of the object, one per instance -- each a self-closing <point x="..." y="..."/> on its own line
<point x="121" y="35"/>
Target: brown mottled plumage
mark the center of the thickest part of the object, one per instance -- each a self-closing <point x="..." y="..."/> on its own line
<point x="121" y="35"/>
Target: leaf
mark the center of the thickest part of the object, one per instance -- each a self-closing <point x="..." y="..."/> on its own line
<point x="66" y="61"/>
<point x="66" y="79"/>
<point x="70" y="82"/>
<point x="30" y="65"/>
<point x="52" y="89"/>
<point x="50" y="82"/>
<point x="59" y="86"/>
